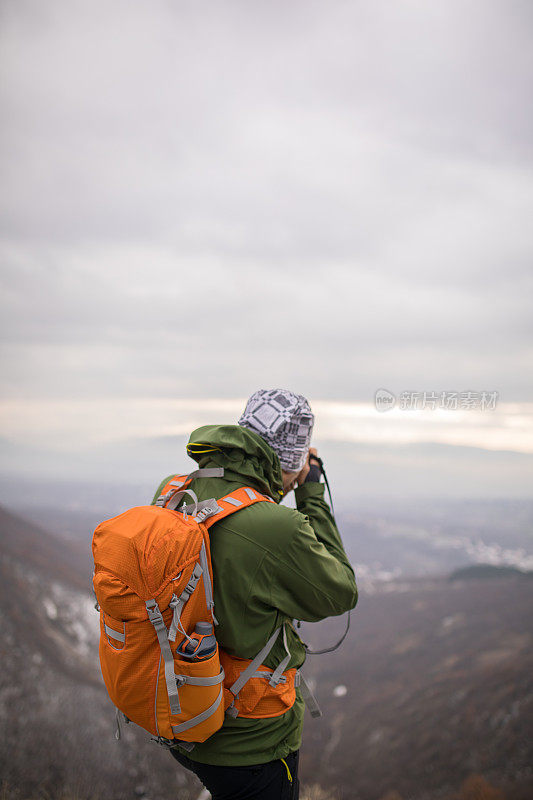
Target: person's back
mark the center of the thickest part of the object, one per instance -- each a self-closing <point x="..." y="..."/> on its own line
<point x="271" y="565"/>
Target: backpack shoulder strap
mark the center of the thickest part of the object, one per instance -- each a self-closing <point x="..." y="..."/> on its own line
<point x="240" y="498"/>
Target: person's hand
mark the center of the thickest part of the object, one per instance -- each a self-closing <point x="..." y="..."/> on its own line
<point x="305" y="471"/>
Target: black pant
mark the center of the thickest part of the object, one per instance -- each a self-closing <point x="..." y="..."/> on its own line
<point x="268" y="781"/>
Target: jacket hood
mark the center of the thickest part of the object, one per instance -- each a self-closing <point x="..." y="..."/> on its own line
<point x="243" y="454"/>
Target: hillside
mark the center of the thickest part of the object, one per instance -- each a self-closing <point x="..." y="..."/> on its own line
<point x="432" y="685"/>
<point x="58" y="722"/>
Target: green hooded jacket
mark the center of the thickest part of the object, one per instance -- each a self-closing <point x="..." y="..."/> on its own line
<point x="271" y="564"/>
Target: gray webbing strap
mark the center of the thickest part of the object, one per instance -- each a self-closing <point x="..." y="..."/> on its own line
<point x="206" y="472"/>
<point x="282" y="666"/>
<point x="120" y="716"/>
<point x="120" y="637"/>
<point x="252" y="667"/>
<point x="177" y="603"/>
<point x="188" y="746"/>
<point x="181" y="679"/>
<point x="268" y="675"/>
<point x="308" y="696"/>
<point x="190" y="723"/>
<point x="156" y="618"/>
<point x="118" y="729"/>
<point x="202" y="510"/>
<point x="206" y="508"/>
<point x="207" y="583"/>
<point x="174" y="500"/>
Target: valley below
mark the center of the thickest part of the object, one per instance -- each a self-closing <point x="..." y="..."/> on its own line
<point x="430" y="696"/>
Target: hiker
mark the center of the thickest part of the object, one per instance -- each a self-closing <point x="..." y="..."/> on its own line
<point x="271" y="565"/>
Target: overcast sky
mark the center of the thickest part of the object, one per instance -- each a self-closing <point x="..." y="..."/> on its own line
<point x="199" y="199"/>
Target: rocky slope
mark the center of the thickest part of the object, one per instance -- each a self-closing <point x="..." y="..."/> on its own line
<point x="432" y="685"/>
<point x="58" y="724"/>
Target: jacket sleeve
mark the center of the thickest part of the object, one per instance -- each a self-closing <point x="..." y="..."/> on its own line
<point x="315" y="580"/>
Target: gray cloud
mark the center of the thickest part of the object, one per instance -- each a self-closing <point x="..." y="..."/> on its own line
<point x="200" y="199"/>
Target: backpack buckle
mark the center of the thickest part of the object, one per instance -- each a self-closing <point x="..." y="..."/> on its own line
<point x="154" y="615"/>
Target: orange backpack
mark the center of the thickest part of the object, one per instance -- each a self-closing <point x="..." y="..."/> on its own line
<point x="153" y="582"/>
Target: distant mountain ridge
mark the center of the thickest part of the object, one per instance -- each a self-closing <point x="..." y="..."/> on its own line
<point x="489" y="571"/>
